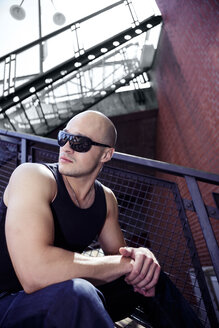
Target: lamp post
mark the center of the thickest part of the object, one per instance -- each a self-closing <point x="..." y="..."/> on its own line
<point x="40" y="36"/>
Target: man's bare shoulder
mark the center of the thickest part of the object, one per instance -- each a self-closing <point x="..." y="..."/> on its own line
<point x="110" y="196"/>
<point x="111" y="202"/>
<point x="34" y="172"/>
<point x="31" y="177"/>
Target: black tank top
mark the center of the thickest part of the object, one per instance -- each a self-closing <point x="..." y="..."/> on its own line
<point x="75" y="228"/>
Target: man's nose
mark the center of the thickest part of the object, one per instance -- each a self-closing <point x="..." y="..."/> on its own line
<point x="67" y="147"/>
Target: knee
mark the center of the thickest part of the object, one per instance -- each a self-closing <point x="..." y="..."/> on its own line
<point x="80" y="303"/>
<point x="76" y="294"/>
<point x="83" y="290"/>
<point x="82" y="287"/>
<point x="75" y="289"/>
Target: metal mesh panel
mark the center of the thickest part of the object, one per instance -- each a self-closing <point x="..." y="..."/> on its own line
<point x="8" y="162"/>
<point x="40" y="155"/>
<point x="149" y="215"/>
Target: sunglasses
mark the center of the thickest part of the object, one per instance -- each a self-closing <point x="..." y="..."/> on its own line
<point x="78" y="143"/>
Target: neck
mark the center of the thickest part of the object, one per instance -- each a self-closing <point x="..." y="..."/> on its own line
<point x="80" y="190"/>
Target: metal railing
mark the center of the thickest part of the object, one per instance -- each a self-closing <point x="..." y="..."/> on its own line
<point x="153" y="212"/>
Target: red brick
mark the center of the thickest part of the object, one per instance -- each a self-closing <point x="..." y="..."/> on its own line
<point x="186" y="72"/>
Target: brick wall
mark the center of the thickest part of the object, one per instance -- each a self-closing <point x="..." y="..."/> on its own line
<point x="137" y="133"/>
<point x="186" y="74"/>
<point x="187" y="77"/>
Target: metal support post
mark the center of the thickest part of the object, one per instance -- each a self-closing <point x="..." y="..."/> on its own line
<point x="23" y="150"/>
<point x="205" y="224"/>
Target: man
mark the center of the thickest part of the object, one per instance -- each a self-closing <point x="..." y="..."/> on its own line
<point x="50" y="214"/>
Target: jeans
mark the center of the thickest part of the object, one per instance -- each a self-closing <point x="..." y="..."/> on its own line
<point x="168" y="309"/>
<point x="70" y="304"/>
<point x="77" y="303"/>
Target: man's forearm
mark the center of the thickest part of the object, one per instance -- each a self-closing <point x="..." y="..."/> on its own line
<point x="56" y="265"/>
<point x="101" y="269"/>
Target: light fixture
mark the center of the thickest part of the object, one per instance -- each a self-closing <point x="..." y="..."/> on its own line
<point x="91" y="57"/>
<point x="116" y="43"/>
<point x="49" y="80"/>
<point x="127" y="37"/>
<point x="77" y="64"/>
<point x="16" y="99"/>
<point x="138" y="31"/>
<point x="103" y="50"/>
<point x="17" y="12"/>
<point x="32" y="89"/>
<point x="63" y="72"/>
<point x="58" y="18"/>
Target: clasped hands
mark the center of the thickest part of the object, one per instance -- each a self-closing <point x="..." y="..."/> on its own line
<point x="145" y="271"/>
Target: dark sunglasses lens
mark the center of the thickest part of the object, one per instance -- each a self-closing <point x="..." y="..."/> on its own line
<point x="62" y="138"/>
<point x="80" y="144"/>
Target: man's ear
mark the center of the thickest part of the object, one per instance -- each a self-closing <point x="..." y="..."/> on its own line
<point x="107" y="155"/>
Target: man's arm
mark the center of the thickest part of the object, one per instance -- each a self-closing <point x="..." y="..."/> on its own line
<point x="30" y="236"/>
<point x="111" y="237"/>
<point x="145" y="270"/>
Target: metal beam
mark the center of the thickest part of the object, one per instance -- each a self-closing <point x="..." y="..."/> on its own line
<point x="51" y="76"/>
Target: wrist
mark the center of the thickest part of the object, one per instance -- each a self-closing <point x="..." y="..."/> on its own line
<point x="126" y="264"/>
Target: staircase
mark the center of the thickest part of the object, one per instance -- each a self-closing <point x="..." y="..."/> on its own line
<point x="39" y="102"/>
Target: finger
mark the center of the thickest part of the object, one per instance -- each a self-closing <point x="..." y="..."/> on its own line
<point x="146" y="293"/>
<point x="151" y="278"/>
<point x="125" y="251"/>
<point x="155" y="279"/>
<point x="147" y="274"/>
<point x="149" y="293"/>
<point x="137" y="274"/>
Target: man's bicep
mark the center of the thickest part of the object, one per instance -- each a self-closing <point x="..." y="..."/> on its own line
<point x="28" y="220"/>
<point x="28" y="223"/>
<point x="28" y="203"/>
<point x="111" y="239"/>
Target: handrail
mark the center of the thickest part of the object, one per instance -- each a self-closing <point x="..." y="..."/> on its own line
<point x="169" y="168"/>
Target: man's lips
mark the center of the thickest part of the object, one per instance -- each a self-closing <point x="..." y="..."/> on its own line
<point x="65" y="159"/>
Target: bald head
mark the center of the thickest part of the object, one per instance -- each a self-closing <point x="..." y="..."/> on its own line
<point x="95" y="125"/>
